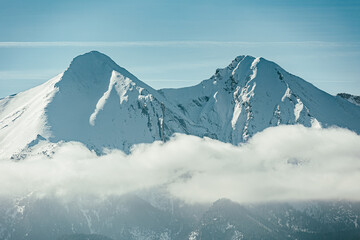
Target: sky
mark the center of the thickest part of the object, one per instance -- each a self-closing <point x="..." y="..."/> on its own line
<point x="180" y="43"/>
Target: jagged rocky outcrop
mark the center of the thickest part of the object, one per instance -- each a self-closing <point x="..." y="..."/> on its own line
<point x="351" y="98"/>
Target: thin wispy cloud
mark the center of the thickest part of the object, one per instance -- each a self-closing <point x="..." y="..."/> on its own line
<point x="171" y="44"/>
<point x="330" y="81"/>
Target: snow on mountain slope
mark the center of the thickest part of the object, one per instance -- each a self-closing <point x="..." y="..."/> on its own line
<point x="103" y="105"/>
<point x="252" y="94"/>
<point x="23" y="117"/>
<point x="100" y="104"/>
<point x="95" y="102"/>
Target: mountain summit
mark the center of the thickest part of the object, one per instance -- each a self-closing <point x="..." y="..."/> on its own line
<point x="102" y="105"/>
<point x="252" y="94"/>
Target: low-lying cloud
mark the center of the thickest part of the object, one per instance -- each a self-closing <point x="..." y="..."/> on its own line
<point x="283" y="163"/>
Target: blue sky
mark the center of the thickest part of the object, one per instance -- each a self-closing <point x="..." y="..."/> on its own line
<point x="179" y="43"/>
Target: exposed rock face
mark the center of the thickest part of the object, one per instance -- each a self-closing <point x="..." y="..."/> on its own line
<point x="351" y="98"/>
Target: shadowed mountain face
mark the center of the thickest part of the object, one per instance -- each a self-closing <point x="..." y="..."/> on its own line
<point x="133" y="217"/>
<point x="83" y="237"/>
<point x="103" y="105"/>
<point x="100" y="104"/>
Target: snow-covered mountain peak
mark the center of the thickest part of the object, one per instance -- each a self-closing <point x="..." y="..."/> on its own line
<point x="110" y="106"/>
<point x="236" y="61"/>
<point x="91" y="72"/>
<point x="93" y="59"/>
<point x="92" y="56"/>
<point x="233" y="66"/>
<point x="252" y="94"/>
<point x="101" y="104"/>
<point x="244" y="70"/>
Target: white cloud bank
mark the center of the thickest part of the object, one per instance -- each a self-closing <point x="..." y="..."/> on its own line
<point x="279" y="164"/>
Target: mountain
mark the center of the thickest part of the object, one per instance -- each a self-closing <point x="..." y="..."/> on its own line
<point x="131" y="217"/>
<point x="95" y="102"/>
<point x="252" y="94"/>
<point x="102" y="105"/>
<point x="351" y="98"/>
<point x="83" y="237"/>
